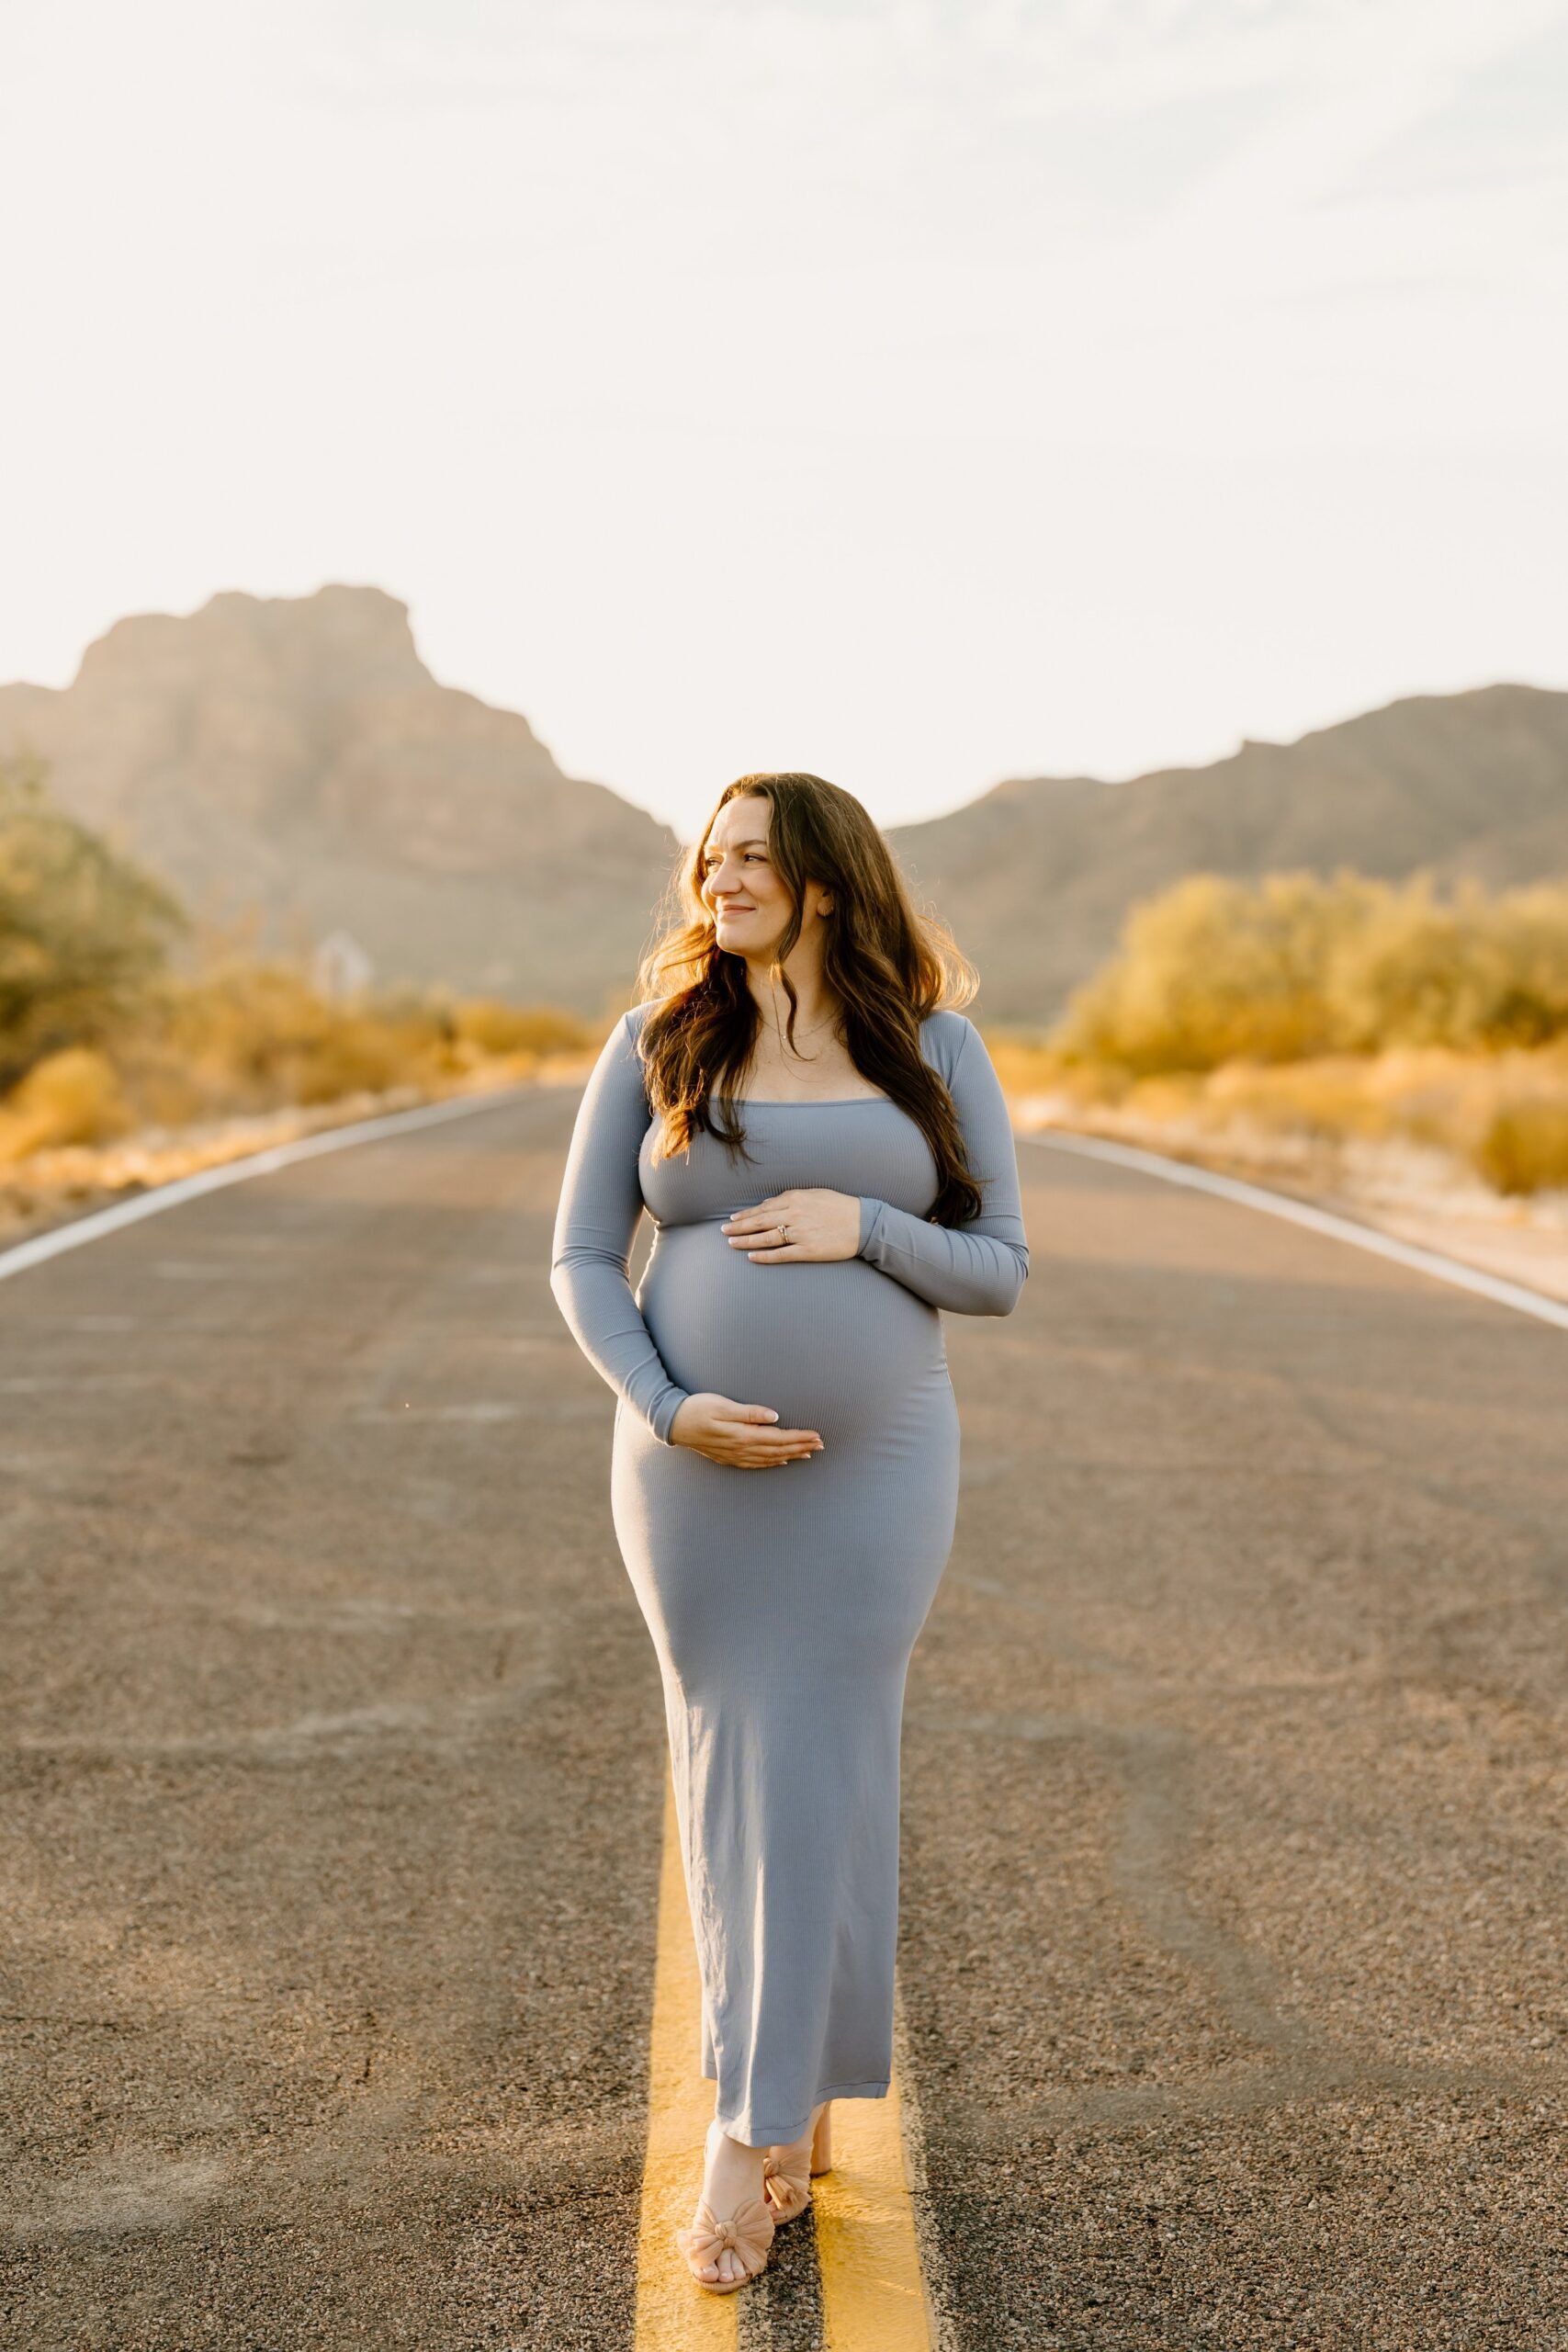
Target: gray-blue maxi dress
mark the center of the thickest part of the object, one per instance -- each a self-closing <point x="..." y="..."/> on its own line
<point x="784" y="1602"/>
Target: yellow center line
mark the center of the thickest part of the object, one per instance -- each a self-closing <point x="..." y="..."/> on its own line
<point x="874" y="2291"/>
<point x="672" y="2309"/>
<point x="874" y="2294"/>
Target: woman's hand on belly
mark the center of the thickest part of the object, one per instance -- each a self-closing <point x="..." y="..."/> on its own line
<point x="742" y="1436"/>
<point x="818" y="1223"/>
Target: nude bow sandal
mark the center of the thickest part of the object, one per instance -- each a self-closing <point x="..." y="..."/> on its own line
<point x="788" y="2173"/>
<point x="748" y="2233"/>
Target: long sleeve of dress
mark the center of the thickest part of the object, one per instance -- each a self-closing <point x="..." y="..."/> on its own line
<point x="978" y="1268"/>
<point x="601" y="1202"/>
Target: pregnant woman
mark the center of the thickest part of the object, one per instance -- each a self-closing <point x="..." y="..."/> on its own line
<point x="825" y="1152"/>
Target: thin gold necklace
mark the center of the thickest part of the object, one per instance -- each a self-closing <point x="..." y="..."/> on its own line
<point x="830" y="1023"/>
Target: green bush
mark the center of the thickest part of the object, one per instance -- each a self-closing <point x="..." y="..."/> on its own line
<point x="83" y="931"/>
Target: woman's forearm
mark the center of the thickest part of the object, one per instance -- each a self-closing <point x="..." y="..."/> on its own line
<point x="601" y="1204"/>
<point x="979" y="1267"/>
<point x="953" y="1267"/>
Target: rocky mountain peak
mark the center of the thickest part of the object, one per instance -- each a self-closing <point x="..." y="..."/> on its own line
<point x="340" y="642"/>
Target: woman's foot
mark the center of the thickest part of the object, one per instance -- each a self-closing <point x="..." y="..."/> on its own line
<point x="732" y="2185"/>
<point x="787" y="2171"/>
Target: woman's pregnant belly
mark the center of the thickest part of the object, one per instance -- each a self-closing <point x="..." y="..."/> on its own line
<point x="832" y="1345"/>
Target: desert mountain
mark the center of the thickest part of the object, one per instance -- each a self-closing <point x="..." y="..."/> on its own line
<point x="295" y="754"/>
<point x="1035" y="876"/>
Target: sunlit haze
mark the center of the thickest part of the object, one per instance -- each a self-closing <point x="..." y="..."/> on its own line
<point x="917" y="394"/>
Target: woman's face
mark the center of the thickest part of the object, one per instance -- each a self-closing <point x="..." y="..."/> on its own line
<point x="742" y="887"/>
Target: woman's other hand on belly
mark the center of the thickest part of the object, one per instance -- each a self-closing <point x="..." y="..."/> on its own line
<point x="742" y="1436"/>
<point x="821" y="1225"/>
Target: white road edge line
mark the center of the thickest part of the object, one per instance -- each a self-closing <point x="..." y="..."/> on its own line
<point x="60" y="1237"/>
<point x="1502" y="1293"/>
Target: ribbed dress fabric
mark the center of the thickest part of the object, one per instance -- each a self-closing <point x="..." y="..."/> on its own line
<point x="783" y="1603"/>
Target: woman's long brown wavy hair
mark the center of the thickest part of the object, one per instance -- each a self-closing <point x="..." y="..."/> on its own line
<point x="887" y="963"/>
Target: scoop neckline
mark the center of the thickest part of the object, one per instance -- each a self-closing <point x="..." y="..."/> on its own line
<point x="823" y="1103"/>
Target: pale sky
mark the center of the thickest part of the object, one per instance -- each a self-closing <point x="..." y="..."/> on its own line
<point x="920" y="392"/>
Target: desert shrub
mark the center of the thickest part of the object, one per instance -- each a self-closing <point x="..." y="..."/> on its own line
<point x="75" y="1096"/>
<point x="1027" y="1066"/>
<point x="249" y="1034"/>
<point x="1476" y="974"/>
<point x="1524" y="1148"/>
<point x="83" y="931"/>
<point x="499" y="1028"/>
<point x="255" y="1035"/>
<point x="1530" y="1004"/>
<point x="1328" y="1096"/>
<point x="1212" y="969"/>
<point x="1293" y="966"/>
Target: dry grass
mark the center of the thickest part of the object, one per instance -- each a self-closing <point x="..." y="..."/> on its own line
<point x="1295" y="1016"/>
<point x="1502" y="1117"/>
<point x="246" y="1039"/>
<point x="244" y="1056"/>
<point x="68" y="1179"/>
<point x="1524" y="1147"/>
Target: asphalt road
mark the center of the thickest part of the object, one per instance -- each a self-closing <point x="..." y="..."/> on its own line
<point x="1234" y="1876"/>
